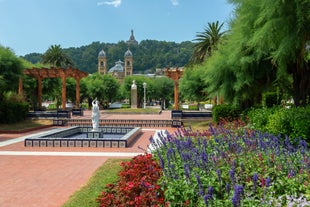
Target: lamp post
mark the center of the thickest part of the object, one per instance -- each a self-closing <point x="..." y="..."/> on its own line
<point x="144" y="101"/>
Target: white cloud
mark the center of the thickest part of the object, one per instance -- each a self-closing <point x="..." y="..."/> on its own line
<point x="115" y="3"/>
<point x="175" y="2"/>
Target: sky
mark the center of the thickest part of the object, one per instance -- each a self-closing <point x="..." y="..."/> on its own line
<point x="28" y="26"/>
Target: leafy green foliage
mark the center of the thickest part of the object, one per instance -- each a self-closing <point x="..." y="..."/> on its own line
<point x="232" y="166"/>
<point x="264" y="48"/>
<point x="12" y="111"/>
<point x="148" y="55"/>
<point x="271" y="99"/>
<point x="192" y="86"/>
<point x="293" y="122"/>
<point x="226" y="112"/>
<point x="103" y="87"/>
<point x="207" y="41"/>
<point x="10" y="71"/>
<point x="56" y="57"/>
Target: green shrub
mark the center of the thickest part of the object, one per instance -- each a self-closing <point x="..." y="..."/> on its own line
<point x="126" y="106"/>
<point x="271" y="99"/>
<point x="12" y="112"/>
<point x="193" y="107"/>
<point x="259" y="117"/>
<point x="293" y="122"/>
<point x="300" y="122"/>
<point x="225" y="112"/>
<point x="279" y="122"/>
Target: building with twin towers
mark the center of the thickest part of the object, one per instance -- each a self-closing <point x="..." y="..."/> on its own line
<point x="120" y="69"/>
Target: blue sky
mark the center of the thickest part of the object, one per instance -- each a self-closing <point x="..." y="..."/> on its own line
<point x="34" y="25"/>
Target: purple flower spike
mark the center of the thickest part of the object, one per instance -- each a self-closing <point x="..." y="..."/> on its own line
<point x="255" y="179"/>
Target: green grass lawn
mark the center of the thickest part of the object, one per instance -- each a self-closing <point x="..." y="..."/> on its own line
<point x="87" y="195"/>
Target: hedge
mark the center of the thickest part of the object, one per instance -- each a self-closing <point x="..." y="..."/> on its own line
<point x="293" y="122"/>
<point x="12" y="112"/>
<point x="227" y="112"/>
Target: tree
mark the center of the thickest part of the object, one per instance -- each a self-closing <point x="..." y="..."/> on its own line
<point x="192" y="86"/>
<point x="266" y="47"/>
<point x="207" y="41"/>
<point x="164" y="88"/>
<point x="126" y="87"/>
<point x="10" y="71"/>
<point x="103" y="87"/>
<point x="56" y="57"/>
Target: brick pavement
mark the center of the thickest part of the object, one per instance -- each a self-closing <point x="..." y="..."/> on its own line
<point x="32" y="179"/>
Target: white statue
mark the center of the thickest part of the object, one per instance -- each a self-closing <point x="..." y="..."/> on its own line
<point x="134" y="86"/>
<point x="95" y="115"/>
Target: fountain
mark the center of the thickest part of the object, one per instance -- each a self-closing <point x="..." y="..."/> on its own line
<point x="86" y="136"/>
<point x="116" y="137"/>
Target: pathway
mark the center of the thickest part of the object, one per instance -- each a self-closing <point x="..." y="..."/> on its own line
<point x="46" y="177"/>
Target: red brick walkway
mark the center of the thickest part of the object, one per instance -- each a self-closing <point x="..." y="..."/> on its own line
<point x="48" y="181"/>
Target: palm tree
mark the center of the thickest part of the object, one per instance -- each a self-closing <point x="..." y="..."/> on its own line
<point x="56" y="57"/>
<point x="207" y="41"/>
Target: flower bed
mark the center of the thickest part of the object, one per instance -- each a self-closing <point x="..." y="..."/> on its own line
<point x="221" y="166"/>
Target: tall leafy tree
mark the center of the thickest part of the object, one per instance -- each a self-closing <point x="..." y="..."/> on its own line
<point x="103" y="87"/>
<point x="267" y="46"/>
<point x="282" y="32"/>
<point x="163" y="89"/>
<point x="207" y="41"/>
<point x="56" y="57"/>
<point x="10" y="70"/>
<point x="192" y="86"/>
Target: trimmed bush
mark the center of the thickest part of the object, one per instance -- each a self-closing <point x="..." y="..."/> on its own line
<point x="12" y="112"/>
<point x="293" y="122"/>
<point x="271" y="99"/>
<point x="227" y="112"/>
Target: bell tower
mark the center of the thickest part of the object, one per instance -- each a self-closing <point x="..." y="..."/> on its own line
<point x="102" y="63"/>
<point x="128" y="63"/>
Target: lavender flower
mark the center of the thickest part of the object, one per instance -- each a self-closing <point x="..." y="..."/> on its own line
<point x="218" y="172"/>
<point x="210" y="191"/>
<point x="255" y="179"/>
<point x="232" y="175"/>
<point x="206" y="198"/>
<point x="227" y="188"/>
<point x="268" y="180"/>
<point x="201" y="191"/>
<point x="238" y="193"/>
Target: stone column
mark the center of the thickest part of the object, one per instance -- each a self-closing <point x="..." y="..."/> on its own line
<point x="134" y="95"/>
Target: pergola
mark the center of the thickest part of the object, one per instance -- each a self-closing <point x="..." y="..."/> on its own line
<point x="63" y="73"/>
<point x="175" y="75"/>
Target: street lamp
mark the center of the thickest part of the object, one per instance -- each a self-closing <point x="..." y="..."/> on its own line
<point x="144" y="101"/>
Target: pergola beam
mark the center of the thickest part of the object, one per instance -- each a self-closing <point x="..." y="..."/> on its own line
<point x="63" y="73"/>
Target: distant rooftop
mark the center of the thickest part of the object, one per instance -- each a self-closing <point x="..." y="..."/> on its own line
<point x="132" y="40"/>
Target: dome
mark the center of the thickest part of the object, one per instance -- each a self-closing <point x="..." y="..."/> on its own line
<point x="128" y="53"/>
<point x="117" y="68"/>
<point x="102" y="54"/>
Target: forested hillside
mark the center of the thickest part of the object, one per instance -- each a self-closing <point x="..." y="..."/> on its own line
<point x="148" y="55"/>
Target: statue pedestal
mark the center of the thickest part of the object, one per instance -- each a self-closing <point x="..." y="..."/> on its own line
<point x="94" y="134"/>
<point x="134" y="96"/>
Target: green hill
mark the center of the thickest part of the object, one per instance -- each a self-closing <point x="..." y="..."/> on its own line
<point x="148" y="55"/>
